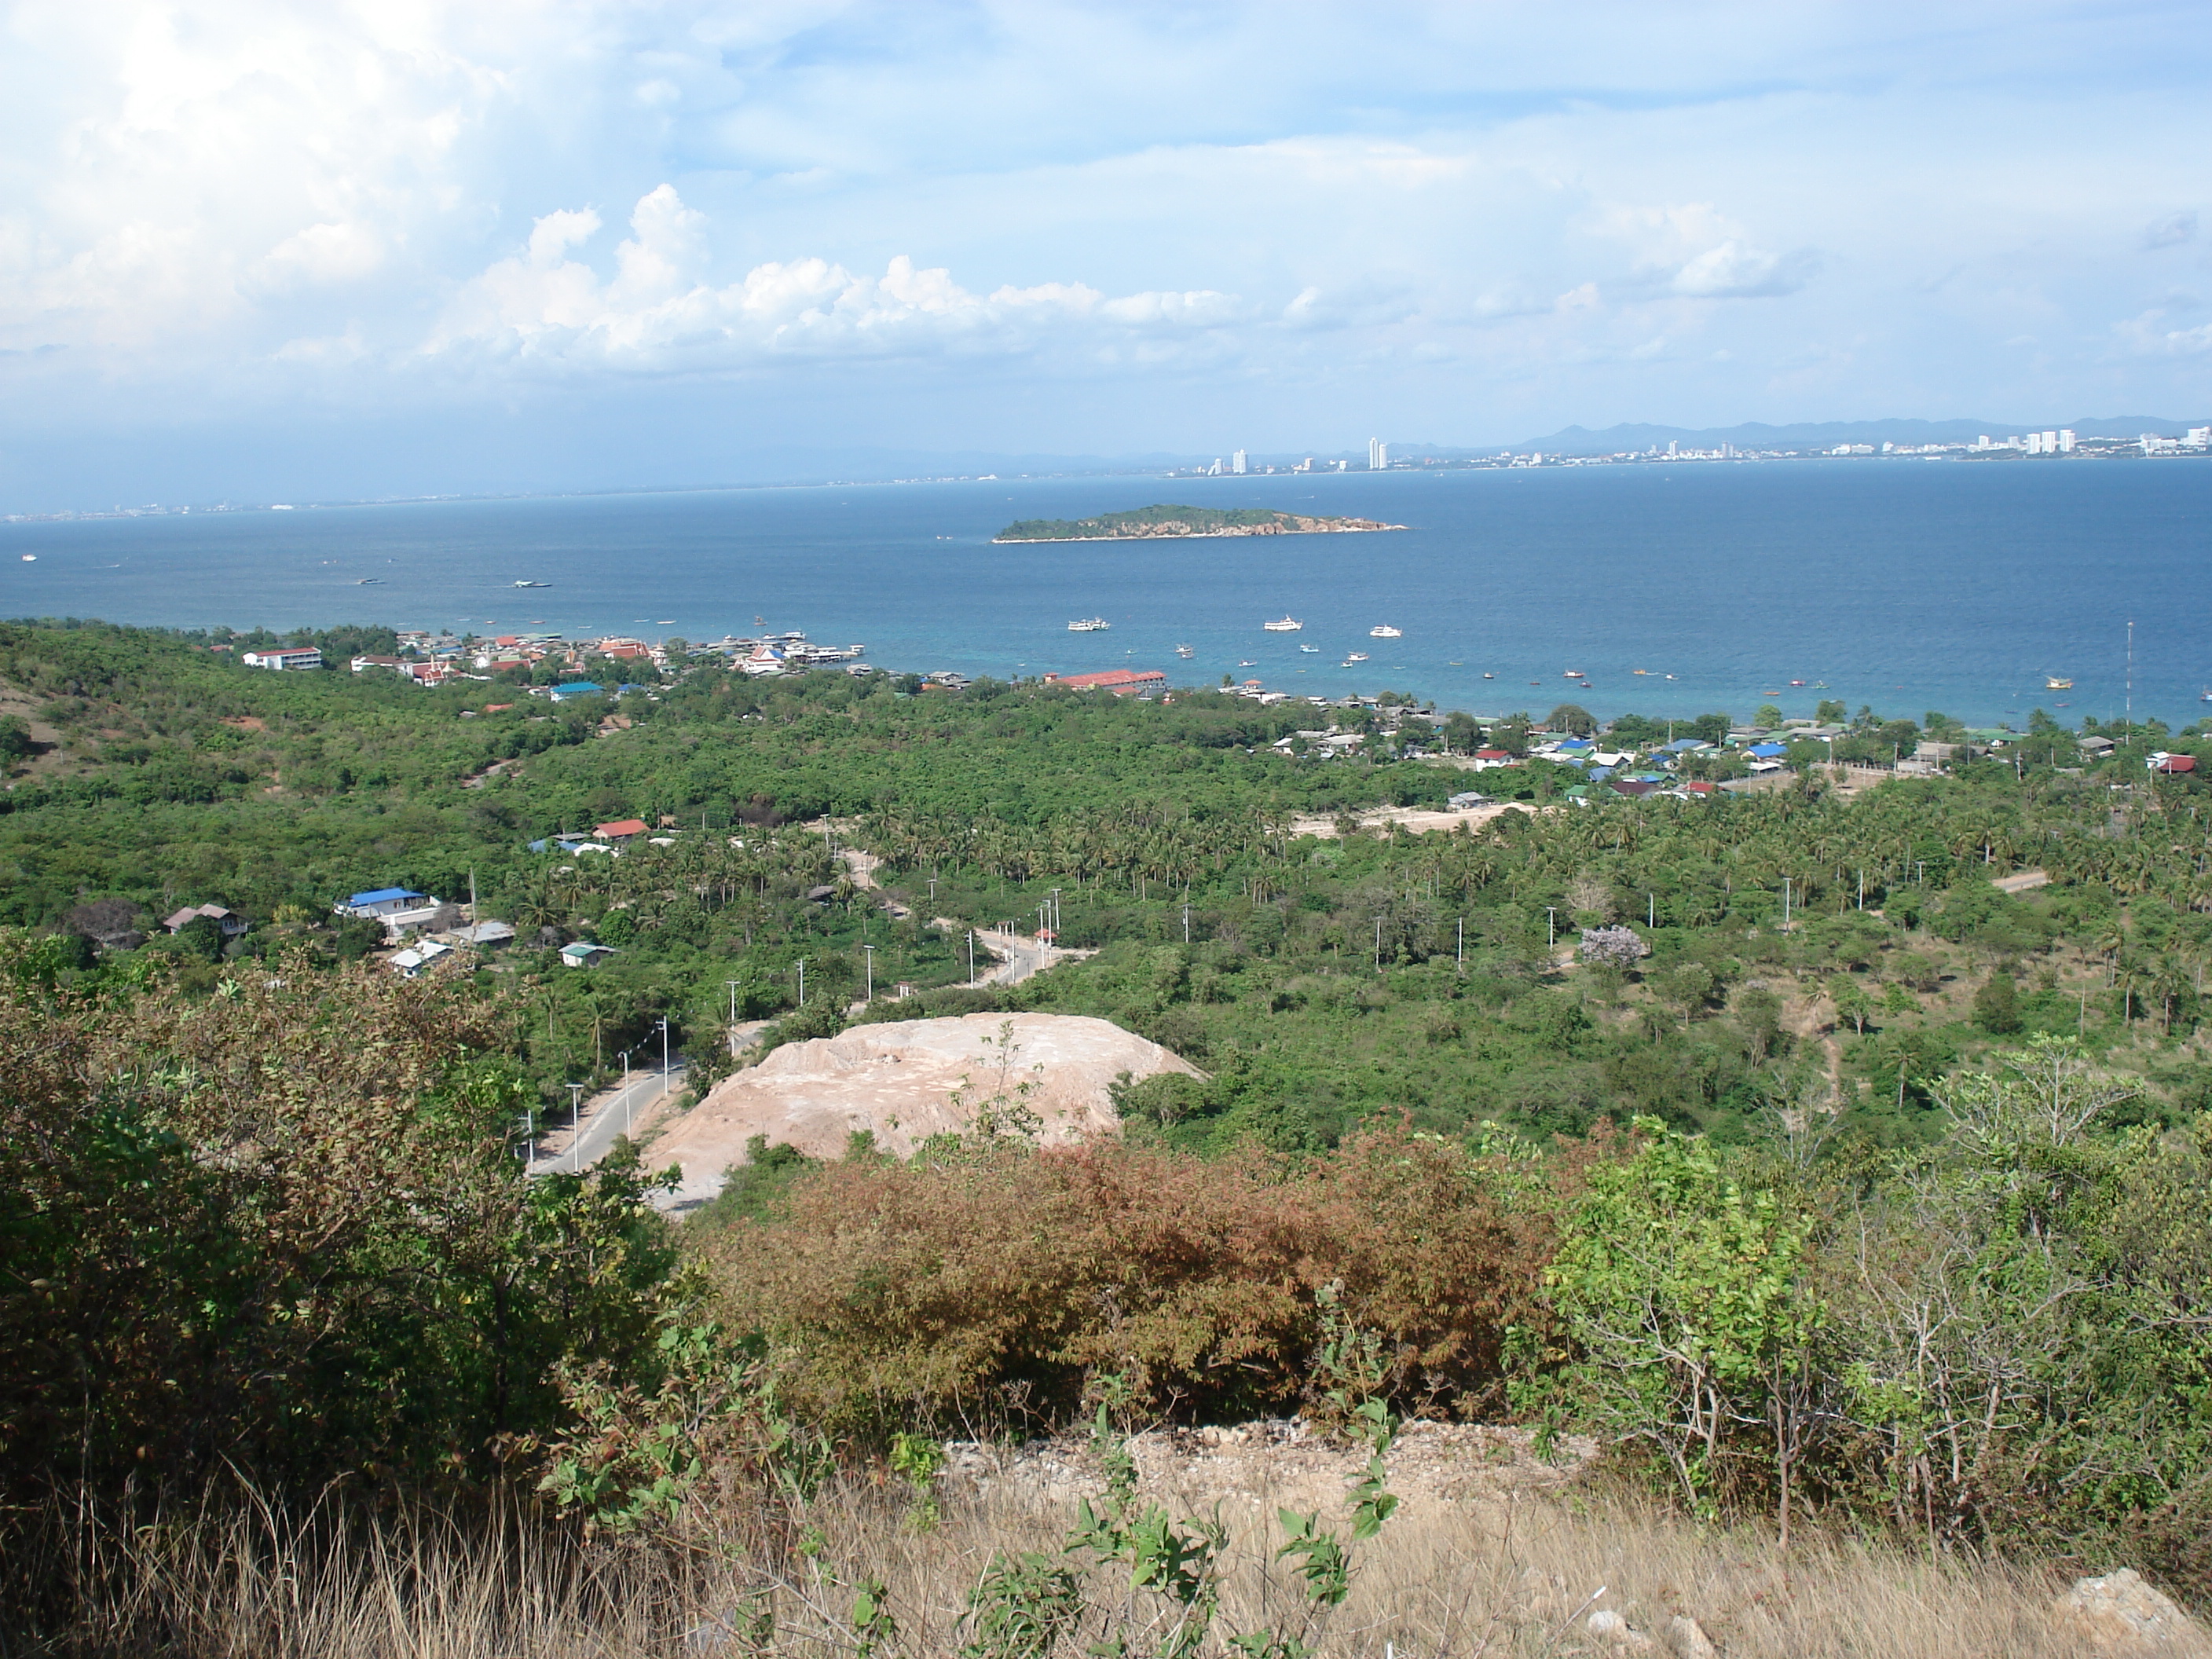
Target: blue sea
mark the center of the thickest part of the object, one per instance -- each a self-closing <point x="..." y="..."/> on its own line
<point x="1904" y="585"/>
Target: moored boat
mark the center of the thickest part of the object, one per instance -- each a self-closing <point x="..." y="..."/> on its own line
<point x="1088" y="625"/>
<point x="1283" y="625"/>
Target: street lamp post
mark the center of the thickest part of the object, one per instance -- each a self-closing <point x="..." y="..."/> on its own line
<point x="626" y="1054"/>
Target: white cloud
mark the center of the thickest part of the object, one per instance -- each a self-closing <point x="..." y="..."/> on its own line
<point x="332" y="253"/>
<point x="1697" y="251"/>
<point x="2146" y="336"/>
<point x="2170" y="232"/>
<point x="659" y="313"/>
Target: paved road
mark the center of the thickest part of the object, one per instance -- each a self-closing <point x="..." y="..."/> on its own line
<point x="1020" y="955"/>
<point x="604" y="1116"/>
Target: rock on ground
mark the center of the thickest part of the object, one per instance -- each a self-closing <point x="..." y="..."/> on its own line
<point x="899" y="1080"/>
<point x="1257" y="1467"/>
<point x="2120" y="1613"/>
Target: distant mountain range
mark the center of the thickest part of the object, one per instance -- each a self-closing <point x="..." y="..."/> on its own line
<point x="1815" y="435"/>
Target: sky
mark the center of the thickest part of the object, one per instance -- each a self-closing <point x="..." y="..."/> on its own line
<point x="253" y="250"/>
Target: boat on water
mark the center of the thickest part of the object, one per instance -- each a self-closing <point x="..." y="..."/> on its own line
<point x="1386" y="632"/>
<point x="1186" y="651"/>
<point x="1796" y="682"/>
<point x="1489" y="676"/>
<point x="1311" y="650"/>
<point x="1351" y="656"/>
<point x="1088" y="625"/>
<point x="2052" y="683"/>
<point x="1282" y="625"/>
<point x="533" y="584"/>
<point x="1248" y="662"/>
<point x="1573" y="674"/>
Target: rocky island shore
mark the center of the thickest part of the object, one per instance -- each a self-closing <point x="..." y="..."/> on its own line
<point x="1159" y="521"/>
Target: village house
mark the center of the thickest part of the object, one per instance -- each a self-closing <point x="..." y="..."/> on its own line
<point x="231" y="924"/>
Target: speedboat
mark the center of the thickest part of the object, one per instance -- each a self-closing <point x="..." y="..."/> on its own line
<point x="1351" y="656"/>
<point x="1248" y="662"/>
<point x="1089" y="625"/>
<point x="2052" y="683"/>
<point x="1185" y="651"/>
<point x="1489" y="677"/>
<point x="1283" y="625"/>
<point x="1386" y="632"/>
<point x="1311" y="650"/>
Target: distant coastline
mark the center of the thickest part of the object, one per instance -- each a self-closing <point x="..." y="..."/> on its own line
<point x="1163" y="522"/>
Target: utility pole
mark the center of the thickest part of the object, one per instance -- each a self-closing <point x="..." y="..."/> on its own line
<point x="626" y="1054"/>
<point x="1186" y="921"/>
<point x="575" y="1128"/>
<point x="1862" y="887"/>
<point x="733" y="984"/>
<point x="664" y="1059"/>
<point x="1551" y="927"/>
<point x="1651" y="911"/>
<point x="971" y="958"/>
<point x="1460" y="959"/>
<point x="802" y="982"/>
<point x="1785" y="904"/>
<point x="1378" y="944"/>
<point x="870" y="949"/>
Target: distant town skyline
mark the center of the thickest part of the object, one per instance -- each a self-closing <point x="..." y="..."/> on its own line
<point x="259" y="249"/>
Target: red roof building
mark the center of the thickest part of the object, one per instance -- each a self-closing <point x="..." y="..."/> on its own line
<point x="620" y="830"/>
<point x="1493" y="754"/>
<point x="1120" y="681"/>
<point x="2173" y="763"/>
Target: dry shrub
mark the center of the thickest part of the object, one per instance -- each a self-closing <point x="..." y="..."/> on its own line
<point x="996" y="1283"/>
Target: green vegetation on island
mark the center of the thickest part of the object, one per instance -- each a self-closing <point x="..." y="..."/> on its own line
<point x="1162" y="520"/>
<point x="1841" y="1158"/>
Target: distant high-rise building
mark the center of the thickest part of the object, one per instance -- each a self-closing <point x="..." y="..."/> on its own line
<point x="1237" y="462"/>
<point x="1378" y="454"/>
<point x="1214" y="471"/>
<point x="2066" y="441"/>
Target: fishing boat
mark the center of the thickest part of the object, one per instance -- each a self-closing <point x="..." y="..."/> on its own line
<point x="1386" y="632"/>
<point x="1571" y="674"/>
<point x="2052" y="683"/>
<point x="1186" y="651"/>
<point x="1248" y="662"/>
<point x="1351" y="656"/>
<point x="1088" y="625"/>
<point x="1311" y="650"/>
<point x="1283" y="625"/>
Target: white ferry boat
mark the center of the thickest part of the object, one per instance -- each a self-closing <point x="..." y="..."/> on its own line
<point x="1386" y="632"/>
<point x="1089" y="625"/>
<point x="1284" y="625"/>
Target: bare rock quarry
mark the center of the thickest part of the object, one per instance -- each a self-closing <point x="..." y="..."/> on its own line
<point x="906" y="1081"/>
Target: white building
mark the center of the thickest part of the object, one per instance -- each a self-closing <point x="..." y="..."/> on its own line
<point x="303" y="657"/>
<point x="1378" y="455"/>
<point x="1236" y="463"/>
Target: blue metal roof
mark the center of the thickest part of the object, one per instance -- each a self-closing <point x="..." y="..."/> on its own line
<point x="1766" y="750"/>
<point x="578" y="688"/>
<point x="384" y="896"/>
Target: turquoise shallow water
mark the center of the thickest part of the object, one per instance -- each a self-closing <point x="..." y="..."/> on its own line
<point x="1905" y="585"/>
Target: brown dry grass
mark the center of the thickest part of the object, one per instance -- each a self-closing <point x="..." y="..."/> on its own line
<point x="1513" y="1577"/>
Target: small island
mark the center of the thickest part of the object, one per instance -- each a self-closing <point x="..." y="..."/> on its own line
<point x="1143" y="522"/>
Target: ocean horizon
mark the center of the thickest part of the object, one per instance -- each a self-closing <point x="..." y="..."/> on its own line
<point x="1901" y="584"/>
